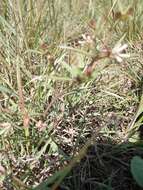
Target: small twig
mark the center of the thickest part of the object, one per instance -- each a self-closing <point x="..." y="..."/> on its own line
<point x="91" y="66"/>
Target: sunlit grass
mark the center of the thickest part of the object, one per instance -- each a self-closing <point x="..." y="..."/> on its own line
<point x="66" y="69"/>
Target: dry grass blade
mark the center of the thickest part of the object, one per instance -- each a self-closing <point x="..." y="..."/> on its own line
<point x="56" y="99"/>
<point x="26" y="118"/>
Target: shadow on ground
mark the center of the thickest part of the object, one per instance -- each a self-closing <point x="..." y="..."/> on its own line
<point x="106" y="166"/>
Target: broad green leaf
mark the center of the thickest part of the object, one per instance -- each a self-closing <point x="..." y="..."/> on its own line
<point x="137" y="169"/>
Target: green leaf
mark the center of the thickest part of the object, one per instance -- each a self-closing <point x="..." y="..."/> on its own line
<point x="137" y="169"/>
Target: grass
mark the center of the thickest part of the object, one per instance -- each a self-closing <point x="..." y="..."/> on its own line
<point x="70" y="96"/>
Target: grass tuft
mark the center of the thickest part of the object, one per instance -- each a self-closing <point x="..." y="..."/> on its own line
<point x="70" y="93"/>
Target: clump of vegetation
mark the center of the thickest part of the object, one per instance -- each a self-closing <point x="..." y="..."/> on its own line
<point x="71" y="94"/>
